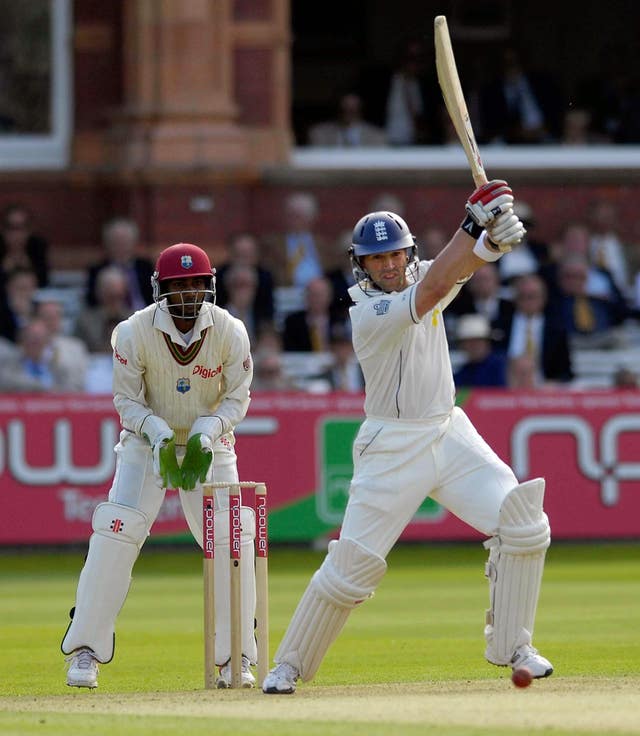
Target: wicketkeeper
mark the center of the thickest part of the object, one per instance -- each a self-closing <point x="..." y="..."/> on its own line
<point x="415" y="443"/>
<point x="181" y="376"/>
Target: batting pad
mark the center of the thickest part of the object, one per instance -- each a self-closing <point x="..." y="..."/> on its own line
<point x="119" y="532"/>
<point x="348" y="576"/>
<point x="514" y="570"/>
<point x="222" y="583"/>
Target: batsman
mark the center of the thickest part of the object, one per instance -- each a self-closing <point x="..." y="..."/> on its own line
<point x="416" y="443"/>
<point x="181" y="376"/>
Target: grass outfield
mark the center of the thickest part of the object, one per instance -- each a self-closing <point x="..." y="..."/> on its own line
<point x="410" y="661"/>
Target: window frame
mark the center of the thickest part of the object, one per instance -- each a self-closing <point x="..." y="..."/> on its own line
<point x="52" y="150"/>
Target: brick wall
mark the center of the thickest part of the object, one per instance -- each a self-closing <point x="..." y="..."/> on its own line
<point x="70" y="212"/>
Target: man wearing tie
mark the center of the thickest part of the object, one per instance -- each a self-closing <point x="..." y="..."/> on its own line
<point x="534" y="333"/>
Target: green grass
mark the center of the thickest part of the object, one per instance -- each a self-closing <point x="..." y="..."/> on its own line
<point x="416" y="646"/>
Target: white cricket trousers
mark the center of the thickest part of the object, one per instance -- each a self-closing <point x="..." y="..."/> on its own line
<point x="397" y="464"/>
<point x="135" y="485"/>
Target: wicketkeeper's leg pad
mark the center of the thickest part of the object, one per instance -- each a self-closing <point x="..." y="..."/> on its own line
<point x="118" y="534"/>
<point x="347" y="577"/>
<point x="222" y="584"/>
<point x="514" y="570"/>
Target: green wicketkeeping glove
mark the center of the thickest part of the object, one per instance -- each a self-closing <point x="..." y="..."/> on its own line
<point x="197" y="460"/>
<point x="166" y="464"/>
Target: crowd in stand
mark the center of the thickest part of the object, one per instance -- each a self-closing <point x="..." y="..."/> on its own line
<point x="517" y="324"/>
<point x="510" y="101"/>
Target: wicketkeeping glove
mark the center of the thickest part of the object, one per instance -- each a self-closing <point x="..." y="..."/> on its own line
<point x="196" y="462"/>
<point x="165" y="464"/>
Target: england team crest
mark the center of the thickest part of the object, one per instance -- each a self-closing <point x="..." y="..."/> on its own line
<point x="183" y="385"/>
<point x="186" y="261"/>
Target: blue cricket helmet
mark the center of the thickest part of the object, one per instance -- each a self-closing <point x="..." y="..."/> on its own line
<point x="380" y="232"/>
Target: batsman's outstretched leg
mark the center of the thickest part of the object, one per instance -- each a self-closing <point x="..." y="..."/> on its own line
<point x="514" y="570"/>
<point x="347" y="577"/>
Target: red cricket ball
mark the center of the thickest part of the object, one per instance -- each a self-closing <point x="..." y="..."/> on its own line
<point x="522" y="677"/>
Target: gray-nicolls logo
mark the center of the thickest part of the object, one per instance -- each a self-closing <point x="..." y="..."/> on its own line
<point x="380" y="228"/>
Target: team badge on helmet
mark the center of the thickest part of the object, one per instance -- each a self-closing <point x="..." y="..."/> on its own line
<point x="183" y="385"/>
<point x="181" y="261"/>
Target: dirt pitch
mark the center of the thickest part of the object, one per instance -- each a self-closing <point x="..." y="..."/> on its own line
<point x="578" y="705"/>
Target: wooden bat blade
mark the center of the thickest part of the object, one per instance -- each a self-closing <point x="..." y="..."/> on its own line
<point x="454" y="99"/>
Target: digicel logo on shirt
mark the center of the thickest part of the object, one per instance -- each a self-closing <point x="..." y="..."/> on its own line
<point x="202" y="370"/>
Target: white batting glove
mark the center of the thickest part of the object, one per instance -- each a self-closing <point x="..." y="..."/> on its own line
<point x="489" y="201"/>
<point x="505" y="231"/>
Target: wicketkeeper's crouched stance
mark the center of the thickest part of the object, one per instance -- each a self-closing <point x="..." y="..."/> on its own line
<point x="182" y="370"/>
<point x="415" y="443"/>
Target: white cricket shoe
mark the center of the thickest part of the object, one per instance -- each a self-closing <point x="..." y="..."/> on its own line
<point x="83" y="668"/>
<point x="281" y="680"/>
<point x="223" y="680"/>
<point x="527" y="656"/>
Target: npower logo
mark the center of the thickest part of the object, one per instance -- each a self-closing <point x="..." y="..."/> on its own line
<point x="597" y="452"/>
<point x="16" y="447"/>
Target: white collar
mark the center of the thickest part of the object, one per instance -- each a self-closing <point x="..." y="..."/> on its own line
<point x="163" y="321"/>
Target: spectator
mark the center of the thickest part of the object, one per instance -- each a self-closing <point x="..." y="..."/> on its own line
<point x="34" y="366"/>
<point x="387" y="202"/>
<point x="345" y="373"/>
<point x="578" y="310"/>
<point x="242" y="250"/>
<point x="406" y="103"/>
<point x="297" y="255"/>
<point x="533" y="331"/>
<point x="522" y="373"/>
<point x="242" y="285"/>
<point x="349" y="129"/>
<point x="519" y="106"/>
<point x="309" y="330"/>
<point x="20" y="247"/>
<point x="16" y="308"/>
<point x="341" y="277"/>
<point x="268" y="372"/>
<point x="576" y="240"/>
<point x="606" y="247"/>
<point x="530" y="255"/>
<point x="95" y="324"/>
<point x="120" y="238"/>
<point x="481" y="295"/>
<point x="483" y="365"/>
<point x="69" y="354"/>
<point x="433" y="240"/>
<point x="625" y="378"/>
<point x="577" y="128"/>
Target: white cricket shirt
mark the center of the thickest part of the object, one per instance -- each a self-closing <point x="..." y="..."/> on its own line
<point x="404" y="359"/>
<point x="155" y="372"/>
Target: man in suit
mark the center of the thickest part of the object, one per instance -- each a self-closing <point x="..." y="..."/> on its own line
<point x="481" y="295"/>
<point x="580" y="311"/>
<point x="297" y="255"/>
<point x="17" y="302"/>
<point x="20" y="246"/>
<point x="349" y="129"/>
<point x="484" y="364"/>
<point x="532" y="331"/>
<point x="309" y="330"/>
<point x="120" y="237"/>
<point x="242" y="251"/>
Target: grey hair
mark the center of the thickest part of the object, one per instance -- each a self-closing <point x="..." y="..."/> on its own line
<point x="118" y="222"/>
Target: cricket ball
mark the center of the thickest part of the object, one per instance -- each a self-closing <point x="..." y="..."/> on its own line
<point x="522" y="677"/>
